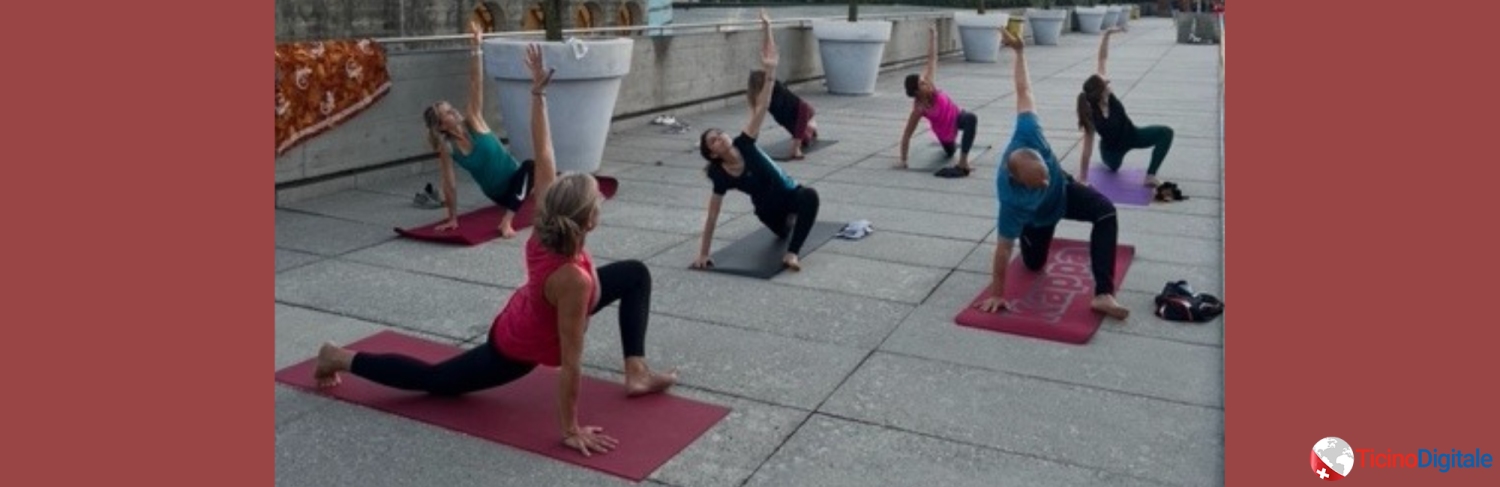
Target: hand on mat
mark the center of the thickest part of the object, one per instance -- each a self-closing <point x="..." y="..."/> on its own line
<point x="451" y="224"/>
<point x="589" y="440"/>
<point x="703" y="262"/>
<point x="994" y="304"/>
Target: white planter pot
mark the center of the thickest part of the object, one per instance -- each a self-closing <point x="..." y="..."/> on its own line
<point x="580" y="99"/>
<point x="1111" y="16"/>
<point x="1090" y="19"/>
<point x="980" y="34"/>
<point x="1046" y="25"/>
<point x="851" y="53"/>
<point x="1122" y="15"/>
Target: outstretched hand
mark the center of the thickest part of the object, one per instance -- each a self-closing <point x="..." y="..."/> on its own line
<point x="540" y="77"/>
<point x="1011" y="40"/>
<point x="768" y="56"/>
<point x="765" y="18"/>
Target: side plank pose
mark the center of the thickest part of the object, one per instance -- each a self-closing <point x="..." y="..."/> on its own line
<point x="1100" y="112"/>
<point x="466" y="139"/>
<point x="1035" y="195"/>
<point x="544" y="321"/>
<point x="944" y="117"/>
<point x="790" y="111"/>
<point x="785" y="207"/>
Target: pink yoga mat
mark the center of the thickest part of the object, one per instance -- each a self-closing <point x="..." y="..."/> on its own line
<point x="482" y="225"/>
<point x="1126" y="187"/>
<point x="1054" y="303"/>
<point x="523" y="414"/>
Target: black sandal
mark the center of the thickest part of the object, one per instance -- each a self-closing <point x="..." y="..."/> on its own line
<point x="952" y="172"/>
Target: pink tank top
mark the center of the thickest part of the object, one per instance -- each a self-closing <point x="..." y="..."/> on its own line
<point x="942" y="116"/>
<point x="526" y="330"/>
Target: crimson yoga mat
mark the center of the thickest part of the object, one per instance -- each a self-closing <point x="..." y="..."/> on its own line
<point x="482" y="225"/>
<point x="1127" y="187"/>
<point x="1053" y="304"/>
<point x="523" y="414"/>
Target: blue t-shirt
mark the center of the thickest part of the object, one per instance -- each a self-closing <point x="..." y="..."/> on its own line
<point x="763" y="180"/>
<point x="1021" y="206"/>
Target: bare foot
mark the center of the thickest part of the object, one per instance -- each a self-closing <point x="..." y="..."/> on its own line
<point x="1152" y="182"/>
<point x="506" y="232"/>
<point x="1106" y="304"/>
<point x="899" y="165"/>
<point x="790" y="261"/>
<point x="331" y="360"/>
<point x="651" y="384"/>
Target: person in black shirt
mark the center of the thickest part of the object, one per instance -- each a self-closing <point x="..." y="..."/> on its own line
<point x="790" y="111"/>
<point x="1100" y="112"/>
<point x="785" y="207"/>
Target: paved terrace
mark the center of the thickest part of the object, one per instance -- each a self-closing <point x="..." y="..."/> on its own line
<point x="851" y="372"/>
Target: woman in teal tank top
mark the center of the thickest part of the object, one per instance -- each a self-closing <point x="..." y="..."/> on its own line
<point x="465" y="139"/>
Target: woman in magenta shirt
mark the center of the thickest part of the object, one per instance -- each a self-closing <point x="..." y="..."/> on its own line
<point x="944" y="117"/>
<point x="544" y="321"/>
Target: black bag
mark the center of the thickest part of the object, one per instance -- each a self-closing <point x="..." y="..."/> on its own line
<point x="1178" y="302"/>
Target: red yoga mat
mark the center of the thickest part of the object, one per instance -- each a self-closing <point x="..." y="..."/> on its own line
<point x="523" y="414"/>
<point x="1053" y="304"/>
<point x="482" y="225"/>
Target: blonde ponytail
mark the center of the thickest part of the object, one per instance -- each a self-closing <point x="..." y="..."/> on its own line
<point x="564" y="213"/>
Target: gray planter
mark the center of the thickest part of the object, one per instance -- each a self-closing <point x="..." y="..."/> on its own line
<point x="580" y="99"/>
<point x="1046" y="25"/>
<point x="1122" y="14"/>
<point x="1197" y="28"/>
<point x="1111" y="15"/>
<point x="851" y="53"/>
<point x="980" y="34"/>
<point x="1090" y="19"/>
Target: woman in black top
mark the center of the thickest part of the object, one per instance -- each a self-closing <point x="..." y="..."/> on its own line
<point x="1100" y="112"/>
<point x="790" y="111"/>
<point x="785" y="207"/>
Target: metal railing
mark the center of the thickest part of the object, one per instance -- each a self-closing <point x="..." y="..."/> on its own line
<point x="670" y="29"/>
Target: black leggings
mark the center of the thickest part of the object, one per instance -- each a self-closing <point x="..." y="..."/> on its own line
<point x="1084" y="204"/>
<point x="484" y="367"/>
<point x="804" y="203"/>
<point x="518" y="188"/>
<point x="1158" y="137"/>
<point x="968" y="123"/>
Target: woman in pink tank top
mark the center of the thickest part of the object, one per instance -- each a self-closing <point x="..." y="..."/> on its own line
<point x="943" y="116"/>
<point x="544" y="321"/>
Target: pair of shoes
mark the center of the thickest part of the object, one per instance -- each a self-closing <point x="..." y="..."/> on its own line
<point x="1169" y="192"/>
<point x="952" y="172"/>
<point x="428" y="198"/>
<point x="856" y="230"/>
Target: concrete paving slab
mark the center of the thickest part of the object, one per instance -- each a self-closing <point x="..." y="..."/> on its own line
<point x="1152" y="439"/>
<point x="322" y="235"/>
<point x="443" y="307"/>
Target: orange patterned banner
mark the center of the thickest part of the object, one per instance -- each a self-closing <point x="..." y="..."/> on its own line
<point x="321" y="84"/>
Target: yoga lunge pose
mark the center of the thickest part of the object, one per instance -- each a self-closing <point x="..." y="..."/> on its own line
<point x="1100" y="112"/>
<point x="785" y="207"/>
<point x="466" y="139"/>
<point x="1035" y="195"/>
<point x="790" y="111"/>
<point x="944" y="117"/>
<point x="544" y="321"/>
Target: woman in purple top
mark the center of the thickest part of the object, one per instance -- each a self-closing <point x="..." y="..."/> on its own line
<point x="944" y="117"/>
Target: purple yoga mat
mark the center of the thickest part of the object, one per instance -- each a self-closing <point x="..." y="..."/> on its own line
<point x="1126" y="187"/>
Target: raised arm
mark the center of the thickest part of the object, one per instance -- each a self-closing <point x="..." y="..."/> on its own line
<point x="768" y="59"/>
<point x="930" y="72"/>
<point x="1104" y="49"/>
<point x="475" y="110"/>
<point x="545" y="171"/>
<point x="572" y="287"/>
<point x="1024" y="101"/>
